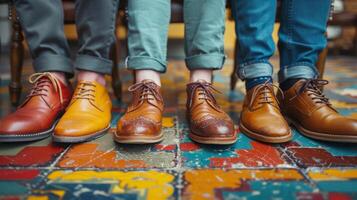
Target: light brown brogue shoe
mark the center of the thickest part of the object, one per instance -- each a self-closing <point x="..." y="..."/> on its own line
<point x="261" y="118"/>
<point x="209" y="124"/>
<point x="141" y="122"/>
<point x="307" y="108"/>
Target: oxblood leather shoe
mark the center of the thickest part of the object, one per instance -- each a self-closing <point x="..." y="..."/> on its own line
<point x="141" y="123"/>
<point x="36" y="118"/>
<point x="87" y="116"/>
<point x="209" y="124"/>
<point x="261" y="118"/>
<point x="307" y="108"/>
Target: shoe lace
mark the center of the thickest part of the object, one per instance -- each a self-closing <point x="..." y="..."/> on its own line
<point x="312" y="86"/>
<point x="41" y="83"/>
<point x="205" y="90"/>
<point x="262" y="91"/>
<point x="147" y="91"/>
<point x="86" y="91"/>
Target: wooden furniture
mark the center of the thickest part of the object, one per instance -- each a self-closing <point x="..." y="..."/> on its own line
<point x="16" y="57"/>
<point x="17" y="51"/>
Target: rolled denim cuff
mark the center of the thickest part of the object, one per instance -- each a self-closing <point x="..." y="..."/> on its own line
<point x="54" y="63"/>
<point x="205" y="61"/>
<point x="145" y="62"/>
<point x="254" y="70"/>
<point x="298" y="70"/>
<point x="94" y="64"/>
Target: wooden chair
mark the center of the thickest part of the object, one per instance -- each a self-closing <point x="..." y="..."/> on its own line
<point x="17" y="51"/>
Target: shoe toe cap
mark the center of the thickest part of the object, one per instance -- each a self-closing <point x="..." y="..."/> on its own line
<point x="215" y="128"/>
<point x="73" y="127"/>
<point x="137" y="128"/>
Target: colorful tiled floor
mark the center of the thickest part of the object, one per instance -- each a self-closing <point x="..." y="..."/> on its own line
<point x="177" y="168"/>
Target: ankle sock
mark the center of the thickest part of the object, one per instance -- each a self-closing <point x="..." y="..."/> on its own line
<point x="250" y="83"/>
<point x="288" y="83"/>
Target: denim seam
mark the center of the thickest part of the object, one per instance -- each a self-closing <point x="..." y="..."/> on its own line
<point x="95" y="57"/>
<point x="299" y="64"/>
<point x="254" y="62"/>
<point x="290" y="11"/>
<point x="241" y="72"/>
<point x="222" y="58"/>
<point x="146" y="57"/>
<point x="113" y="38"/>
<point x="234" y="6"/>
<point x="211" y="54"/>
<point x="283" y="71"/>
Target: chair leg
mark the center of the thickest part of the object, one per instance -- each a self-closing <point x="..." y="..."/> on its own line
<point x="16" y="57"/>
<point x="234" y="77"/>
<point x="322" y="62"/>
<point x="355" y="42"/>
<point x="116" y="83"/>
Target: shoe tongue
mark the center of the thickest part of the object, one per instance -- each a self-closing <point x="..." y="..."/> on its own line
<point x="150" y="82"/>
<point x="262" y="96"/>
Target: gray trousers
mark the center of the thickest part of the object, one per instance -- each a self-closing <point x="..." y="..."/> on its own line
<point x="42" y="22"/>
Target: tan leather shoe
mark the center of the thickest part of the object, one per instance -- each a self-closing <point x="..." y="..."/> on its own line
<point x="309" y="110"/>
<point x="209" y="124"/>
<point x="88" y="115"/>
<point x="261" y="118"/>
<point x="36" y="118"/>
<point x="141" y="122"/>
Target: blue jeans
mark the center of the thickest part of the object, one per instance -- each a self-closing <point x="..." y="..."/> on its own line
<point x="301" y="36"/>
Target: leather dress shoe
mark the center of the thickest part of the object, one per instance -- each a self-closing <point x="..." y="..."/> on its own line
<point x="261" y="118"/>
<point x="87" y="116"/>
<point x="307" y="108"/>
<point x="141" y="123"/>
<point x="37" y="116"/>
<point x="209" y="124"/>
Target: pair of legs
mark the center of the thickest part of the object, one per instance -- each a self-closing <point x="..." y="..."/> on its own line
<point x="204" y="48"/>
<point x="301" y="39"/>
<point x="88" y="111"/>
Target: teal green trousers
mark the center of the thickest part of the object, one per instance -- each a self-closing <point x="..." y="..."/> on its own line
<point x="148" y="29"/>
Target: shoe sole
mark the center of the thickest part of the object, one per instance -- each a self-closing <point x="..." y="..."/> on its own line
<point x="266" y="139"/>
<point x="322" y="136"/>
<point x="78" y="139"/>
<point x="213" y="140"/>
<point x="29" y="137"/>
<point x="139" y="140"/>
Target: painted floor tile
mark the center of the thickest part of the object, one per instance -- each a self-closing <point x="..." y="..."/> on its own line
<point x="151" y="185"/>
<point x="105" y="153"/>
<point x="18" y="184"/>
<point x="59" y="184"/>
<point x="244" y="153"/>
<point x="245" y="184"/>
<point x="30" y="154"/>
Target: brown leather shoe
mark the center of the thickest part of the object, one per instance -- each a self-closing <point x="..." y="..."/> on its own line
<point x="141" y="122"/>
<point x="36" y="118"/>
<point x="307" y="108"/>
<point x="209" y="124"/>
<point x="261" y="118"/>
